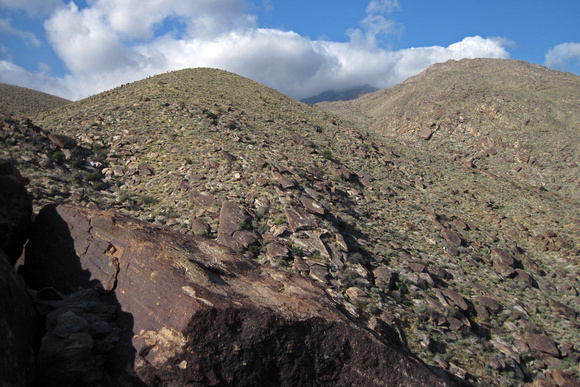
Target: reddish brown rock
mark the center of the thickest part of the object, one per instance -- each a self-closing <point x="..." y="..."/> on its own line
<point x="488" y="302"/>
<point x="541" y="343"/>
<point x="276" y="250"/>
<point x="204" y="199"/>
<point x="452" y="237"/>
<point x="385" y="278"/>
<point x="232" y="217"/>
<point x="298" y="219"/>
<point x="502" y="257"/>
<point x="200" y="227"/>
<point x="319" y="273"/>
<point x="561" y="309"/>
<point x="524" y="277"/>
<point x="193" y="311"/>
<point x="284" y="181"/>
<point x="312" y="206"/>
<point x="455" y="298"/>
<point x="62" y="141"/>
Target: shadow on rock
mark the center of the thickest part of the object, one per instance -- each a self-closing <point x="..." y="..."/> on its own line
<point x="88" y="336"/>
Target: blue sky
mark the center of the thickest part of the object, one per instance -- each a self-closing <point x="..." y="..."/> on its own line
<point x="301" y="47"/>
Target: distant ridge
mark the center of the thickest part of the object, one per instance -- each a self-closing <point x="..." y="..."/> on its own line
<point x="16" y="100"/>
<point x="517" y="119"/>
<point x="346" y="95"/>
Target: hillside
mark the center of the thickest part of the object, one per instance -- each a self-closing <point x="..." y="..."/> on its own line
<point x="515" y="119"/>
<point x="478" y="275"/>
<point x="16" y="100"/>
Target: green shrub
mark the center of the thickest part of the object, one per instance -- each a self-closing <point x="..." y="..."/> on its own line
<point x="92" y="176"/>
<point x="58" y="157"/>
<point x="327" y="154"/>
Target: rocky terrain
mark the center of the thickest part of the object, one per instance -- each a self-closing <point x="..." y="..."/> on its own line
<point x="512" y="118"/>
<point x="423" y="243"/>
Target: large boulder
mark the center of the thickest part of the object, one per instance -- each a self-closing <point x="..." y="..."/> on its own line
<point x="194" y="312"/>
<point x="15" y="211"/>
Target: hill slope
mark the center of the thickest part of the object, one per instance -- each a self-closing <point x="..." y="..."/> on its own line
<point x="474" y="272"/>
<point x="15" y="100"/>
<point x="517" y="119"/>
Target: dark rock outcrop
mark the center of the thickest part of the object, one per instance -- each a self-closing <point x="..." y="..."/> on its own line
<point x="192" y="312"/>
<point x="15" y="211"/>
<point x="19" y="329"/>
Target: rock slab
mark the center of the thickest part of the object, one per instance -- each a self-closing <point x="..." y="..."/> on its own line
<point x="194" y="312"/>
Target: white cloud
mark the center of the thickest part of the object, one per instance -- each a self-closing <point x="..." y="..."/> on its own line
<point x="114" y="42"/>
<point x="377" y="7"/>
<point x="85" y="41"/>
<point x="35" y="8"/>
<point x="565" y="56"/>
<point x="29" y="37"/>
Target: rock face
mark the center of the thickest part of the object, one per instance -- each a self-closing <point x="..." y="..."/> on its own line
<point x="18" y="329"/>
<point x="189" y="311"/>
<point x="15" y="211"/>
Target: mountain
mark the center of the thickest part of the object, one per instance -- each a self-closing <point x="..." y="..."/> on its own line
<point x="476" y="272"/>
<point x="345" y="95"/>
<point x="512" y="118"/>
<point x="16" y="100"/>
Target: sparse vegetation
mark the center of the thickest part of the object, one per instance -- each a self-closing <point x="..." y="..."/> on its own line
<point x="386" y="208"/>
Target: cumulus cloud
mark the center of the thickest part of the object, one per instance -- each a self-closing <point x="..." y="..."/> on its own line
<point x="111" y="42"/>
<point x="565" y="57"/>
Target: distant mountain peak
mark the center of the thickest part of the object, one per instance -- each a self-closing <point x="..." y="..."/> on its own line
<point x="344" y="95"/>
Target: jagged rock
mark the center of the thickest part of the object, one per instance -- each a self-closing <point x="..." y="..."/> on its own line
<point x="455" y="298"/>
<point x="284" y="181"/>
<point x="19" y="329"/>
<point x="452" y="237"/>
<point x="15" y="211"/>
<point x="523" y="276"/>
<point x="298" y="219"/>
<point x="541" y="343"/>
<point x="385" y="278"/>
<point x="319" y="273"/>
<point x="561" y="309"/>
<point x="312" y="206"/>
<point x="62" y="141"/>
<point x="204" y="199"/>
<point x="260" y="162"/>
<point x="301" y="140"/>
<point x="194" y="311"/>
<point x="200" y="228"/>
<point x="502" y="257"/>
<point x="488" y="302"/>
<point x="310" y="243"/>
<point x="276" y="250"/>
<point x="232" y="217"/>
<point x="356" y="295"/>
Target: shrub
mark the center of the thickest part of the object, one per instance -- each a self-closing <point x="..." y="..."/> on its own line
<point x="58" y="157"/>
<point x="327" y="154"/>
<point x="92" y="176"/>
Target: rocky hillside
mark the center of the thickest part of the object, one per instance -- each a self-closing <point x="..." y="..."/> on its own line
<point x="515" y="119"/>
<point x="16" y="100"/>
<point x="477" y="274"/>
